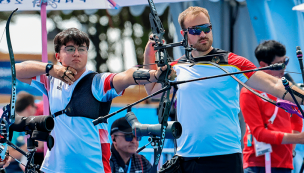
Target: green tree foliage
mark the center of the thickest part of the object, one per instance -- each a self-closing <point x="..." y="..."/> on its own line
<point x="100" y="23"/>
<point x="98" y="26"/>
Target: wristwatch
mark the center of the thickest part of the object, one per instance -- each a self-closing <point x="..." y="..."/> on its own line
<point x="293" y="153"/>
<point x="48" y="68"/>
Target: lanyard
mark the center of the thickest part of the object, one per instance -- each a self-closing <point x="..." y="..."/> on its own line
<point x="129" y="167"/>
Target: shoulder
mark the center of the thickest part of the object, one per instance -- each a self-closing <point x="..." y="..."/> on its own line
<point x="239" y="61"/>
<point x="246" y="91"/>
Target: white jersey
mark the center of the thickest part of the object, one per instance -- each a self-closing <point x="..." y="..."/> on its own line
<point x="79" y="145"/>
<point x="208" y="109"/>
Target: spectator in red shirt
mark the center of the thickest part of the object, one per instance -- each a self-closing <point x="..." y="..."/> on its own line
<point x="266" y="122"/>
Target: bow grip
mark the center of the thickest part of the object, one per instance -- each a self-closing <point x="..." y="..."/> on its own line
<point x="163" y="76"/>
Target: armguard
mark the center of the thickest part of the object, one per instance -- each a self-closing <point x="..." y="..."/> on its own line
<point x="141" y="74"/>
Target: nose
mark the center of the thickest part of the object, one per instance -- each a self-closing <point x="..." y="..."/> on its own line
<point x="134" y="139"/>
<point x="202" y="34"/>
<point x="76" y="53"/>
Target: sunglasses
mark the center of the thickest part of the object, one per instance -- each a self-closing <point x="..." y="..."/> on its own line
<point x="286" y="61"/>
<point x="196" y="30"/>
<point x="129" y="137"/>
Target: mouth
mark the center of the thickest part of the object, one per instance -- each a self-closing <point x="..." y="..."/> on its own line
<point x="132" y="146"/>
<point x="76" y="60"/>
<point x="203" y="41"/>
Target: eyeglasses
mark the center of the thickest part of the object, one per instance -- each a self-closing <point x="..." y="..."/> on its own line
<point x="72" y="49"/>
<point x="286" y="61"/>
<point x="129" y="137"/>
<point x="196" y="30"/>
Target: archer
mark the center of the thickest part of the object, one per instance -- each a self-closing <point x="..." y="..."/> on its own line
<point x="77" y="96"/>
<point x="208" y="109"/>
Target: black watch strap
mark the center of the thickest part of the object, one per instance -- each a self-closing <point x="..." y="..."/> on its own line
<point x="48" y="68"/>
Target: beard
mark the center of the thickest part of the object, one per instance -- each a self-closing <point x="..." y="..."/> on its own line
<point x="203" y="47"/>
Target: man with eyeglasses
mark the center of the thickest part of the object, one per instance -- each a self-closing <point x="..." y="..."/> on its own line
<point x="77" y="96"/>
<point x="265" y="122"/>
<point x="124" y="158"/>
<point x="208" y="109"/>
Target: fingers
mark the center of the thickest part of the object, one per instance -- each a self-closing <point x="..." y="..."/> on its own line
<point x="163" y="68"/>
<point x="72" y="70"/>
<point x="4" y="163"/>
<point x="152" y="39"/>
<point x="68" y="75"/>
<point x="172" y="75"/>
<point x="7" y="162"/>
<point x="160" y="70"/>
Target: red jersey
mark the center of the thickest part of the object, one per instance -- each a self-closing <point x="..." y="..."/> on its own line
<point x="256" y="113"/>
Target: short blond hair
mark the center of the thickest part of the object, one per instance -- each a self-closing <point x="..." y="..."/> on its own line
<point x="191" y="10"/>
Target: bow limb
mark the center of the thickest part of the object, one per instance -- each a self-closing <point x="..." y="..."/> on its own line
<point x="13" y="69"/>
<point x="8" y="116"/>
<point x="289" y="107"/>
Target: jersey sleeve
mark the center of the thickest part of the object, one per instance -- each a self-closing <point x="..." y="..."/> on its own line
<point x="102" y="87"/>
<point x="253" y="118"/>
<point x="242" y="64"/>
<point x="296" y="123"/>
<point x="41" y="83"/>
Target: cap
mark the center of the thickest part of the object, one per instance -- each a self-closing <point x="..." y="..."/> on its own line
<point x="121" y="125"/>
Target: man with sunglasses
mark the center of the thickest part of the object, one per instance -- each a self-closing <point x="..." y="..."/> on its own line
<point x="77" y="96"/>
<point x="124" y="158"/>
<point x="208" y="109"/>
<point x="265" y="122"/>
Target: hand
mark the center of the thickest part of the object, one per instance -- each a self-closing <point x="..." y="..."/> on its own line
<point x="66" y="74"/>
<point x="149" y="49"/>
<point x="149" y="55"/>
<point x="172" y="75"/>
<point x="5" y="162"/>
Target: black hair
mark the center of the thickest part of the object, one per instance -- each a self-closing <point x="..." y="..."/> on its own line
<point x="71" y="34"/>
<point x="267" y="51"/>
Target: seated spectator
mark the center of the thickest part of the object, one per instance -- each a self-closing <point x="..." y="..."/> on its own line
<point x="124" y="157"/>
<point x="25" y="106"/>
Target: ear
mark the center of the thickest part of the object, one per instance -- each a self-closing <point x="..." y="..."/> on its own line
<point x="113" y="138"/>
<point x="57" y="57"/>
<point x="182" y="32"/>
<point x="28" y="110"/>
<point x="263" y="64"/>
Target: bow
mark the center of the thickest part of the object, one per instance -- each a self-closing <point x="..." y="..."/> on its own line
<point x="164" y="104"/>
<point x="8" y="116"/>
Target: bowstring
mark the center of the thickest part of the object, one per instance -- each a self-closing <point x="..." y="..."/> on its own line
<point x="2" y="34"/>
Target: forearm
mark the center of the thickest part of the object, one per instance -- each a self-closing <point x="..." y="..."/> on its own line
<point x="290" y="138"/>
<point x="272" y="85"/>
<point x="29" y="69"/>
<point x="149" y="63"/>
<point x="123" y="80"/>
<point x="294" y="145"/>
<point x="16" y="154"/>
